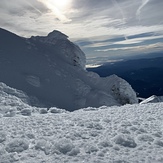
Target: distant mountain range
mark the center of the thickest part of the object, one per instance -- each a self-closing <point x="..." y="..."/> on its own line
<point x="145" y="75"/>
<point x="51" y="70"/>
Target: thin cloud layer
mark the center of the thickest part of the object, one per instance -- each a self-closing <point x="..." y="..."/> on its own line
<point x="99" y="27"/>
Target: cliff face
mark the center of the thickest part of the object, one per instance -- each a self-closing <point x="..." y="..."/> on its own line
<point x="52" y="69"/>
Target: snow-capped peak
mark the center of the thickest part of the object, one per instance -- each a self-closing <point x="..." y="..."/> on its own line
<point x="51" y="38"/>
<point x="57" y="41"/>
<point x="56" y="35"/>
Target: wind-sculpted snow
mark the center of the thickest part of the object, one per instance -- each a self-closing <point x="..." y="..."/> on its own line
<point x="57" y="41"/>
<point x="126" y="134"/>
<point x="52" y="69"/>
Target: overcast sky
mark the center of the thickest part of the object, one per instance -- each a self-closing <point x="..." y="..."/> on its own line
<point x="100" y="27"/>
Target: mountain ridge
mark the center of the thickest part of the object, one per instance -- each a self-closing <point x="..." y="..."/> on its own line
<point x="54" y="72"/>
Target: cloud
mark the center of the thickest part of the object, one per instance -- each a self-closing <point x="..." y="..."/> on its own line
<point x="90" y="19"/>
<point x="139" y="35"/>
<point x="20" y="7"/>
<point x="92" y="24"/>
<point x="120" y="9"/>
<point x="28" y="17"/>
<point x="55" y="10"/>
<point x="35" y="8"/>
<point x="138" y="40"/>
<point x="140" y="48"/>
<point x="144" y="3"/>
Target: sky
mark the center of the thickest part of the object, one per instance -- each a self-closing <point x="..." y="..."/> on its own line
<point x="102" y="28"/>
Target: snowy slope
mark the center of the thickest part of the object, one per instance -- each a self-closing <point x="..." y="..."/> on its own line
<point x="52" y="69"/>
<point x="126" y="134"/>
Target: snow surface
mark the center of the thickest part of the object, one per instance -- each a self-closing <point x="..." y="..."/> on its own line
<point x="52" y="69"/>
<point x="126" y="134"/>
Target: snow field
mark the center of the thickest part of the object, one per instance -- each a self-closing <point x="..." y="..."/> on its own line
<point x="127" y="134"/>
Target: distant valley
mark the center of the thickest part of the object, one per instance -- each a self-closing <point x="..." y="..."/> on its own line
<point x="145" y="75"/>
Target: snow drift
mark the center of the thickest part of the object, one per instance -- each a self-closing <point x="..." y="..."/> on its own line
<point x="52" y="69"/>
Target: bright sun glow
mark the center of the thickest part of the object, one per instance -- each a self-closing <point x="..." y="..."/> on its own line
<point x="58" y="8"/>
<point x="60" y="3"/>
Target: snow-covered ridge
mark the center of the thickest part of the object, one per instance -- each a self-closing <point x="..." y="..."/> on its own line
<point x="68" y="50"/>
<point x="52" y="69"/>
<point x="51" y="38"/>
<point x="56" y="35"/>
